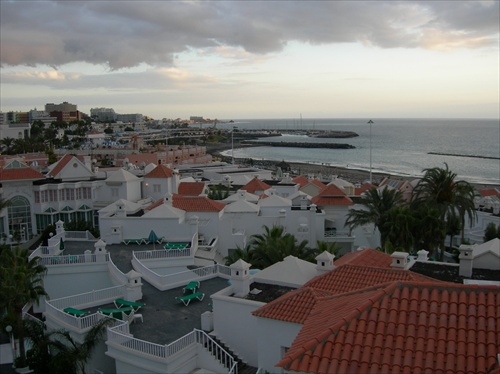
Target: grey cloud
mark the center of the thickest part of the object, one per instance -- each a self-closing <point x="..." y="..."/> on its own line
<point x="125" y="34"/>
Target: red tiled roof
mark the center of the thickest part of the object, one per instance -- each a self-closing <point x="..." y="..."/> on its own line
<point x="366" y="186"/>
<point x="331" y="195"/>
<point x="405" y="327"/>
<point x="490" y="192"/>
<point x="191" y="188"/>
<point x="20" y="174"/>
<point x="60" y="165"/>
<point x="368" y="257"/>
<point x="318" y="183"/>
<point x="300" y="180"/>
<point x="157" y="203"/>
<point x="161" y="171"/>
<point x="196" y="204"/>
<point x="255" y="185"/>
<point x="295" y="306"/>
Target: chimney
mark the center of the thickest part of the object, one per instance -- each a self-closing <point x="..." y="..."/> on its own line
<point x="422" y="255"/>
<point x="399" y="260"/>
<point x="240" y="278"/>
<point x="324" y="262"/>
<point x="466" y="258"/>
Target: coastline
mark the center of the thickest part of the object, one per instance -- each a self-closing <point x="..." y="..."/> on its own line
<point x="327" y="171"/>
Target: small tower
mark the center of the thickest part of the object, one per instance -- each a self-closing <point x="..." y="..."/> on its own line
<point x="240" y="278"/>
<point x="399" y="260"/>
<point x="100" y="251"/>
<point x="60" y="228"/>
<point x="422" y="255"/>
<point x="324" y="262"/>
<point x="133" y="288"/>
<point x="466" y="258"/>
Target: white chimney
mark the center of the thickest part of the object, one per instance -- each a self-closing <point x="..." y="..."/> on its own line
<point x="399" y="260"/>
<point x="466" y="258"/>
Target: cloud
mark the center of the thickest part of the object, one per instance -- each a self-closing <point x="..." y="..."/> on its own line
<point x="123" y="34"/>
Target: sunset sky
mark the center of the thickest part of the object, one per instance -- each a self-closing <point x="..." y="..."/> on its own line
<point x="254" y="59"/>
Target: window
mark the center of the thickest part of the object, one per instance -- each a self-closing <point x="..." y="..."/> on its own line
<point x="19" y="218"/>
<point x="156" y="188"/>
<point x="114" y="192"/>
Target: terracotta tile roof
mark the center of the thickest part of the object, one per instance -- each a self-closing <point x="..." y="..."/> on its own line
<point x="347" y="278"/>
<point x="295" y="306"/>
<point x="191" y="188"/>
<point x="255" y="185"/>
<point x="20" y="174"/>
<point x="368" y="257"/>
<point x="318" y="183"/>
<point x="60" y="165"/>
<point x="300" y="180"/>
<point x="366" y="186"/>
<point x="157" y="203"/>
<point x="161" y="171"/>
<point x="196" y="204"/>
<point x="405" y="328"/>
<point x="490" y="192"/>
<point x="331" y="195"/>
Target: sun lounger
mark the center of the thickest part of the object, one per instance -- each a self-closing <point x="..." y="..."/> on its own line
<point x="116" y="313"/>
<point x="76" y="312"/>
<point x="136" y="241"/>
<point x="191" y="286"/>
<point x="186" y="299"/>
<point x="133" y="304"/>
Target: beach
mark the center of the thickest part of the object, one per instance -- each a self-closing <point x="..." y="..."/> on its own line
<point x="314" y="170"/>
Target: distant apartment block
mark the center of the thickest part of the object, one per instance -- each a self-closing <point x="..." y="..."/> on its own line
<point x="130" y="118"/>
<point x="14" y="125"/>
<point x="63" y="112"/>
<point x="103" y="114"/>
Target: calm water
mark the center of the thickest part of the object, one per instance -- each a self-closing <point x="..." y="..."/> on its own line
<point x="399" y="146"/>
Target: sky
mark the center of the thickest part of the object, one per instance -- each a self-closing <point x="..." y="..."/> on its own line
<point x="254" y="59"/>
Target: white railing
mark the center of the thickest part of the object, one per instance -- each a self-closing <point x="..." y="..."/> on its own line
<point x="165" y="282"/>
<point x="79" y="235"/>
<point x="77" y="323"/>
<point x="217" y="351"/>
<point x="70" y="259"/>
<point x="162" y="253"/>
<point x="116" y="273"/>
<point x="163" y="351"/>
<point x="41" y="251"/>
<point x="89" y="299"/>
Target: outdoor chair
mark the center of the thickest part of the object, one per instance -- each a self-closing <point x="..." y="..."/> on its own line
<point x="116" y="313"/>
<point x="135" y="305"/>
<point x="191" y="286"/>
<point x="186" y="299"/>
<point x="76" y="312"/>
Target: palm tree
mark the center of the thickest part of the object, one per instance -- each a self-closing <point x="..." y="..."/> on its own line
<point x="21" y="282"/>
<point x="7" y="145"/>
<point x="70" y="356"/>
<point x="378" y="204"/>
<point x="330" y="247"/>
<point x="244" y="254"/>
<point x="438" y="188"/>
<point x="400" y="226"/>
<point x="430" y="229"/>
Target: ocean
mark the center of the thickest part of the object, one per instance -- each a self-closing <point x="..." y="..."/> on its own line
<point x="398" y="146"/>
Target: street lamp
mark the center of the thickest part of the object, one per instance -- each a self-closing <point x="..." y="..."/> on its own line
<point x="370" y="123"/>
<point x="232" y="144"/>
<point x="8" y="330"/>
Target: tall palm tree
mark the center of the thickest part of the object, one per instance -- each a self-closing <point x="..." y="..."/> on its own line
<point x="400" y="227"/>
<point x="377" y="205"/>
<point x="440" y="189"/>
<point x="7" y="145"/>
<point x="21" y="282"/>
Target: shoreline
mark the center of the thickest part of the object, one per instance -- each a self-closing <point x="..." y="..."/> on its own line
<point x="303" y="168"/>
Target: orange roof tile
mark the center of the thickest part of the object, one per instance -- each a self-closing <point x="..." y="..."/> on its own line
<point x="60" y="165"/>
<point x="300" y="180"/>
<point x="404" y="327"/>
<point x="367" y="257"/>
<point x="295" y="306"/>
<point x="157" y="203"/>
<point x="331" y="195"/>
<point x="191" y="188"/>
<point x="490" y="192"/>
<point x="255" y="185"/>
<point x="20" y="174"/>
<point x="318" y="183"/>
<point x="196" y="204"/>
<point x="161" y="171"/>
<point x="365" y="186"/>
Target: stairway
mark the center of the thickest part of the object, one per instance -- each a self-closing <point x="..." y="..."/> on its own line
<point x="243" y="368"/>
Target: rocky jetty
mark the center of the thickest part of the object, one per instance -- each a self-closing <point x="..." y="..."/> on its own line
<point x="305" y="145"/>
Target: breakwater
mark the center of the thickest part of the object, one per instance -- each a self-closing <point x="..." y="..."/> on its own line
<point x="460" y="155"/>
<point x="305" y="145"/>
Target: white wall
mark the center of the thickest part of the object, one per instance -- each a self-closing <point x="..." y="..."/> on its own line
<point x="235" y="326"/>
<point x="273" y="336"/>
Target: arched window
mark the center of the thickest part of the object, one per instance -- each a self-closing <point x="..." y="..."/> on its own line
<point x="19" y="213"/>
